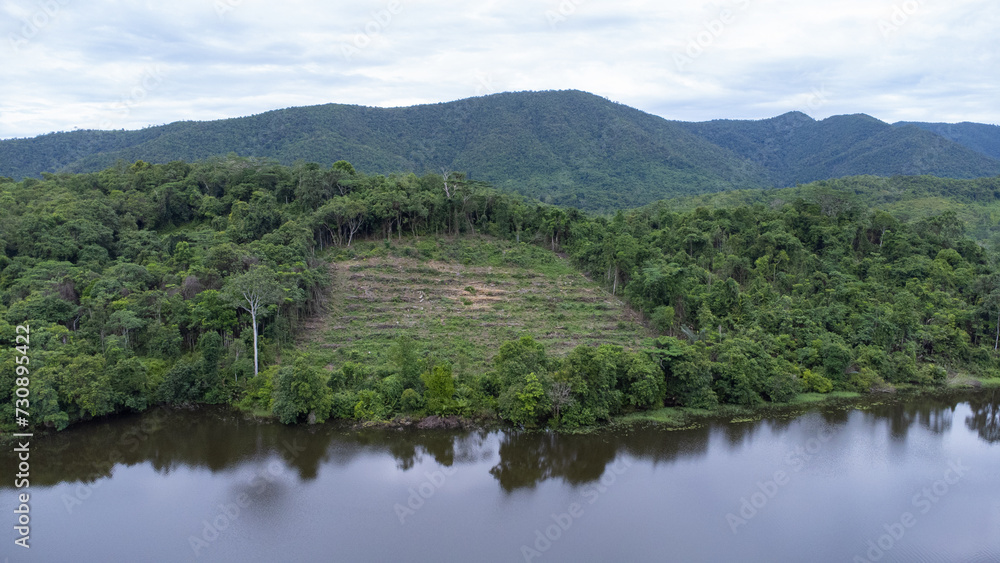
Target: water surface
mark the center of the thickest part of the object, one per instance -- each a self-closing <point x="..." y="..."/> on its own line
<point x="910" y="481"/>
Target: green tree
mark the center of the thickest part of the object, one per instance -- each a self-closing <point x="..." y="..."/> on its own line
<point x="301" y="390"/>
<point x="183" y="383"/>
<point x="404" y="358"/>
<point x="210" y="345"/>
<point x="440" y="389"/>
<point x="370" y="406"/>
<point x="516" y="359"/>
<point x="663" y="318"/>
<point x="130" y="384"/>
<point x="815" y="382"/>
<point x="526" y="402"/>
<point x="593" y="376"/>
<point x="642" y="381"/>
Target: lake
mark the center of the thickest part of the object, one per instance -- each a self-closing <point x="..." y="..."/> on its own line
<point x="908" y="480"/>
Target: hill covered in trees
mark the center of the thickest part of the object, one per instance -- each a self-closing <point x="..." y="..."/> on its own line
<point x="976" y="203"/>
<point x="567" y="148"/>
<point x="794" y="148"/>
<point x="980" y="137"/>
<point x="211" y="282"/>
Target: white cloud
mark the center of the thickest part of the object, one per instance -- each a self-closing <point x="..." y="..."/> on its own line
<point x="128" y="64"/>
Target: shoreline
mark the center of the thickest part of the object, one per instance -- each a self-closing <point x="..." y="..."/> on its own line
<point x="668" y="418"/>
<point x="679" y="418"/>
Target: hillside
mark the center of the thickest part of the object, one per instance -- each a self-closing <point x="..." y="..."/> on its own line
<point x="974" y="202"/>
<point x="307" y="294"/>
<point x="982" y="138"/>
<point x="564" y="147"/>
<point x="795" y="149"/>
<point x="569" y="147"/>
<point x="456" y="298"/>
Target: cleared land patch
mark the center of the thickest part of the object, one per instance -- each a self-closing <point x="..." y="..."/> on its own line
<point x="459" y="299"/>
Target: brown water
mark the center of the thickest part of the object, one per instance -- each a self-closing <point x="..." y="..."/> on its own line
<point x="909" y="481"/>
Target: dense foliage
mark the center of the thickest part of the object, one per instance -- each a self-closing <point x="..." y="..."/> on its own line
<point x="794" y="148"/>
<point x="126" y="309"/>
<point x="762" y="302"/>
<point x="908" y="198"/>
<point x="564" y="147"/>
<point x="141" y="284"/>
<point x="980" y="137"/>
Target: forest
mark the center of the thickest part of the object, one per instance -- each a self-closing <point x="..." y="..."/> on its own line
<point x="187" y="283"/>
<point x="976" y="202"/>
<point x="568" y="148"/>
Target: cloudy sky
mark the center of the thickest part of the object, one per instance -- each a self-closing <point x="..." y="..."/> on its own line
<point x="112" y="64"/>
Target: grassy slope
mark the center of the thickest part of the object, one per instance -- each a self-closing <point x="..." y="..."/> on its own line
<point x="421" y="288"/>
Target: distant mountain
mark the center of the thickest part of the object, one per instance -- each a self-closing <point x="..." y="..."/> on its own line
<point x="797" y="149"/>
<point x="982" y="138"/>
<point x="565" y="147"/>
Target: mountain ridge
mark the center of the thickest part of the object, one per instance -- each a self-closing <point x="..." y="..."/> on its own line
<point x="981" y="137"/>
<point x="565" y="147"/>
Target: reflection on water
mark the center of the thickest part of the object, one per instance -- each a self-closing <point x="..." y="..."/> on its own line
<point x="985" y="417"/>
<point x="154" y="481"/>
<point x="219" y="439"/>
<point x="931" y="413"/>
<point x="527" y="459"/>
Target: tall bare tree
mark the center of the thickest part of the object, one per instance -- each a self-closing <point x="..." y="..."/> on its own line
<point x="253" y="291"/>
